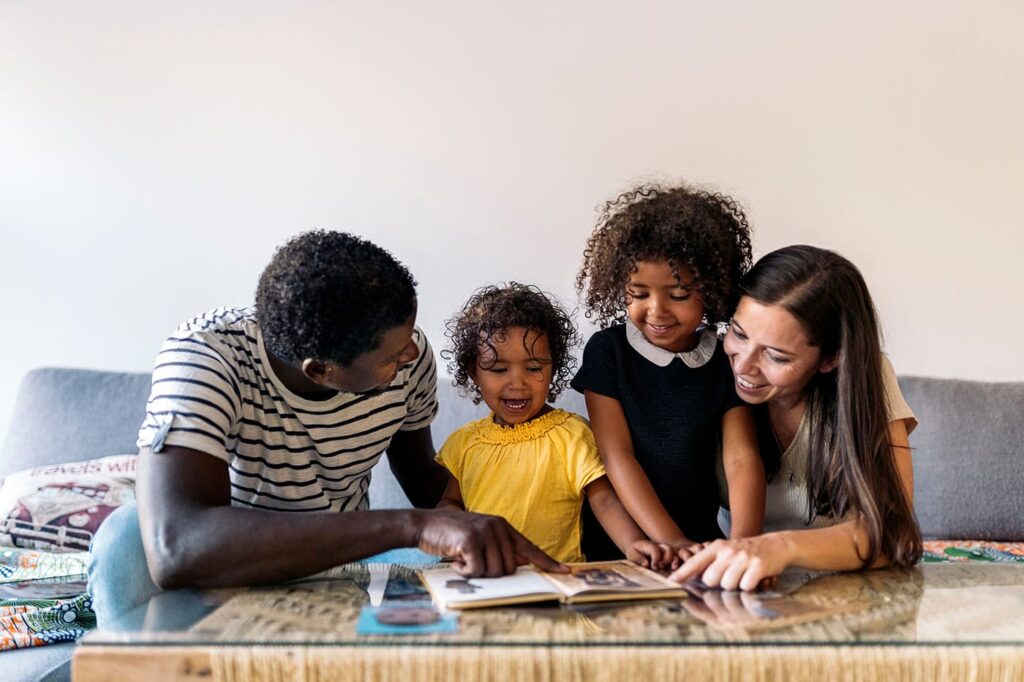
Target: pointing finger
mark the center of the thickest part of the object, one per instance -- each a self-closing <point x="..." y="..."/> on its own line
<point x="532" y="555"/>
<point x="695" y="565"/>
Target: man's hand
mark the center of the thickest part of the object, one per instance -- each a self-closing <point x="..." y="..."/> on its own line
<point x="480" y="545"/>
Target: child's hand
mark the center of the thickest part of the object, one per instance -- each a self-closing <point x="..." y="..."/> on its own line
<point x="653" y="555"/>
<point x="683" y="551"/>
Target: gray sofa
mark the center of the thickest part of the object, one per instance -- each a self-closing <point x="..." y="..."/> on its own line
<point x="968" y="455"/>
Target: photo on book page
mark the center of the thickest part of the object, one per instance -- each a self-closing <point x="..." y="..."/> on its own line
<point x="609" y="576"/>
<point x="451" y="590"/>
<point x="596" y="581"/>
<point x="405" y="589"/>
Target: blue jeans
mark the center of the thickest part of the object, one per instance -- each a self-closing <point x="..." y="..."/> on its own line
<point x="118" y="576"/>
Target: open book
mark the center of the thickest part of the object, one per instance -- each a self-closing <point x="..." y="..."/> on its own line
<point x="595" y="581"/>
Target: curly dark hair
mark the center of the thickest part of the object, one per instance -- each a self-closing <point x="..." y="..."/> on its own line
<point x="493" y="309"/>
<point x="331" y="296"/>
<point x="703" y="231"/>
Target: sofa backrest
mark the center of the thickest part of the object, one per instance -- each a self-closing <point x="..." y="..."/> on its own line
<point x="65" y="415"/>
<point x="968" y="452"/>
<point x="968" y="449"/>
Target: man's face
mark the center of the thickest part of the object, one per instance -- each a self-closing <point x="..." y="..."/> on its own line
<point x="374" y="370"/>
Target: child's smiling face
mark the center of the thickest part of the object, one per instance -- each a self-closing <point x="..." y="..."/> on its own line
<point x="665" y="309"/>
<point x="513" y="372"/>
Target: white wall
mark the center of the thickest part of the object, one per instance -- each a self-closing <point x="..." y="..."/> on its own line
<point x="153" y="154"/>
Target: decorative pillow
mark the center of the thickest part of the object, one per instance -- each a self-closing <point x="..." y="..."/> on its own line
<point x="59" y="507"/>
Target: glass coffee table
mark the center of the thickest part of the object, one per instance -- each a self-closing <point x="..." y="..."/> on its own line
<point x="938" y="621"/>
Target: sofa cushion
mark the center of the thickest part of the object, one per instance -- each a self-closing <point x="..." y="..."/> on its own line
<point x="968" y="452"/>
<point x="37" y="663"/>
<point x="65" y="415"/>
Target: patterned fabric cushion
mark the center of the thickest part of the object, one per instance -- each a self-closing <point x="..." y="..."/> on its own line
<point x="42" y="598"/>
<point x="973" y="550"/>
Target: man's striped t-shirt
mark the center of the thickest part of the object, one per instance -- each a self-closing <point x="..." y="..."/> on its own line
<point x="214" y="391"/>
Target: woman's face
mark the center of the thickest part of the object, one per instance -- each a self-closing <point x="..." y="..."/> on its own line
<point x="770" y="354"/>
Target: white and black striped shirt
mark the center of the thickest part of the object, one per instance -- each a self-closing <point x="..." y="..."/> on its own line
<point x="214" y="391"/>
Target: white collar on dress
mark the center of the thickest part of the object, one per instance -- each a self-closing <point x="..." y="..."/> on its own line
<point x="698" y="357"/>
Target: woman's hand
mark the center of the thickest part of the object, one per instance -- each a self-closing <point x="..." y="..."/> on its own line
<point x="737" y="564"/>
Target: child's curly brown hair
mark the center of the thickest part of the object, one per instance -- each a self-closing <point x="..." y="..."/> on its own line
<point x="703" y="231"/>
<point x="493" y="309"/>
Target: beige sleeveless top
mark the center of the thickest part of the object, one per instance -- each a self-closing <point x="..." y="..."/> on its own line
<point x="786" y="504"/>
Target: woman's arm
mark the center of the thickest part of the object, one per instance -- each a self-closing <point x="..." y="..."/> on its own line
<point x="745" y="563"/>
<point x="744" y="471"/>
<point x="842" y="547"/>
<point x="899" y="436"/>
<point x="634" y="489"/>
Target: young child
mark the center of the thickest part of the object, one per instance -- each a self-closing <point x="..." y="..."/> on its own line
<point x="527" y="461"/>
<point x="660" y="270"/>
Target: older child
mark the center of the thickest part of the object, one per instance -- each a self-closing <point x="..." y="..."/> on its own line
<point x="660" y="270"/>
<point x="527" y="461"/>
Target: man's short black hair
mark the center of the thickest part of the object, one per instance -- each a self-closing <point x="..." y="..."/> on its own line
<point x="331" y="296"/>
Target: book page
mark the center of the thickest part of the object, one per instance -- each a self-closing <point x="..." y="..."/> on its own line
<point x="623" y="577"/>
<point x="451" y="589"/>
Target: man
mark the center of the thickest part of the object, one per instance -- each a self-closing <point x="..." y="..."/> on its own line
<point x="263" y="425"/>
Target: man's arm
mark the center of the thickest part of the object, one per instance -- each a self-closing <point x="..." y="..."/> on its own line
<point x="411" y="458"/>
<point x="194" y="538"/>
<point x="452" y="498"/>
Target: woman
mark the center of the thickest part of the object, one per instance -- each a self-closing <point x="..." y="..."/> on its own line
<point x="832" y="424"/>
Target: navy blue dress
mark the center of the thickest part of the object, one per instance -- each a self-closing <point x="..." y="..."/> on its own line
<point x="674" y="415"/>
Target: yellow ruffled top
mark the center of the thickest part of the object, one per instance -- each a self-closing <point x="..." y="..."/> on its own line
<point x="534" y="475"/>
<point x="496" y="434"/>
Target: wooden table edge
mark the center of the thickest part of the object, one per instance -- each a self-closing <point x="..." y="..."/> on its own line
<point x="175" y="663"/>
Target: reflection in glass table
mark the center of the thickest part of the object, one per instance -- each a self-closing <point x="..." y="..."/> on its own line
<point x="966" y="616"/>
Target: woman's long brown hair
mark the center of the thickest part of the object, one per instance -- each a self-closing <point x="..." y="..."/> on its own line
<point x="851" y="464"/>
